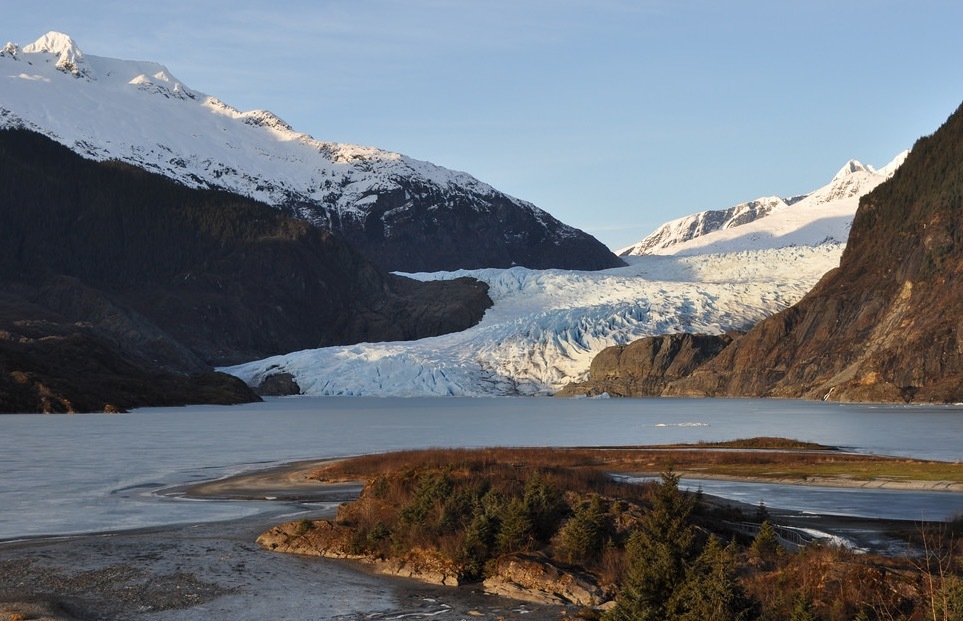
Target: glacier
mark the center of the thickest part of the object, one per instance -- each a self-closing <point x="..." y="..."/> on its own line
<point x="546" y="325"/>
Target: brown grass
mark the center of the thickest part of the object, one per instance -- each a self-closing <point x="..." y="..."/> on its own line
<point x="694" y="459"/>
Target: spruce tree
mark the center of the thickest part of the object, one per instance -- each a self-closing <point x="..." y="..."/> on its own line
<point x="710" y="589"/>
<point x="583" y="537"/>
<point x="803" y="610"/>
<point x="765" y="546"/>
<point x="515" y="533"/>
<point x="658" y="554"/>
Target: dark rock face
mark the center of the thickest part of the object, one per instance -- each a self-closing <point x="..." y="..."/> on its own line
<point x="420" y="228"/>
<point x="51" y="364"/>
<point x="176" y="280"/>
<point x="279" y="385"/>
<point x="646" y="366"/>
<point x="885" y="326"/>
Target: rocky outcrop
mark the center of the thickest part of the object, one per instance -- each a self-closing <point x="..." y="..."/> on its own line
<point x="331" y="540"/>
<point x="279" y="385"/>
<point x="51" y="364"/>
<point x="176" y="280"/>
<point x="536" y="579"/>
<point x="883" y="327"/>
<point x="645" y="367"/>
<point x="526" y="577"/>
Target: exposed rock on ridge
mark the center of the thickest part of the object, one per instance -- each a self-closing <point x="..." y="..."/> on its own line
<point x="819" y="217"/>
<point x="681" y="230"/>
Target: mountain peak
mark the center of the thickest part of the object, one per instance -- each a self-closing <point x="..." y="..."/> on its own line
<point x="70" y="57"/>
<point x="10" y="48"/>
<point x="853" y="166"/>
<point x="55" y="43"/>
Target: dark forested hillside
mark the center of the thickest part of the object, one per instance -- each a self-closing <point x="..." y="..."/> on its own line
<point x="181" y="279"/>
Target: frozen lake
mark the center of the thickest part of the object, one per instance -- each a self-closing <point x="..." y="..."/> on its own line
<point x="63" y="474"/>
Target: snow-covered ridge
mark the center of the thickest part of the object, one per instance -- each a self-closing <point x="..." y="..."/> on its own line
<point x="138" y="112"/>
<point x="546" y="326"/>
<point x="823" y="215"/>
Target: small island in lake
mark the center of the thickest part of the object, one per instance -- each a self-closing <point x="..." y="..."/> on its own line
<point x="555" y="526"/>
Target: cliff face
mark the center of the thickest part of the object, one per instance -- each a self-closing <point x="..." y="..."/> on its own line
<point x="157" y="277"/>
<point x="646" y="366"/>
<point x="885" y="326"/>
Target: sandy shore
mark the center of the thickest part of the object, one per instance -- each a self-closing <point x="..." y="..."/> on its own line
<point x="215" y="571"/>
<point x="288" y="482"/>
<point x="839" y="481"/>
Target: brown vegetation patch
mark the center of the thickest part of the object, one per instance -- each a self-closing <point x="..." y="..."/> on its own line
<point x="552" y="525"/>
<point x="775" y="458"/>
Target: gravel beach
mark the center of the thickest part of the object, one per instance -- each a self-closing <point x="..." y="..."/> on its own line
<point x="215" y="571"/>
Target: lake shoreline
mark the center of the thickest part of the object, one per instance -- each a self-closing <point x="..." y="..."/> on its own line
<point x="216" y="570"/>
<point x="293" y="481"/>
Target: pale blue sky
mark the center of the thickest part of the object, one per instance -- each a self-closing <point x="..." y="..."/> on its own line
<point x="613" y="115"/>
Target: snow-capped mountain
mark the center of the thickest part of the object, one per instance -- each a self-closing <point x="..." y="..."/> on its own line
<point x="404" y="213"/>
<point x="823" y="215"/>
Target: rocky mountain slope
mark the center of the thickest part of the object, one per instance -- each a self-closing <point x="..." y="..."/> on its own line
<point x="885" y="325"/>
<point x="150" y="277"/>
<point x="404" y="214"/>
<point x="821" y="216"/>
<point x="647" y="366"/>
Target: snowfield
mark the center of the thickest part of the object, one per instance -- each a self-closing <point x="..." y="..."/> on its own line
<point x="546" y="326"/>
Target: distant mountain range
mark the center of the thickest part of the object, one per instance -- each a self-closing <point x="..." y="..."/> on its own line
<point x="404" y="214"/>
<point x="821" y="216"/>
<point x="882" y="327"/>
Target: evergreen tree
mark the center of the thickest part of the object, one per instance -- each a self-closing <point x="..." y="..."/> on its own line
<point x="515" y="534"/>
<point x="710" y="589"/>
<point x="546" y="505"/>
<point x="477" y="546"/>
<point x="584" y="535"/>
<point x="765" y="546"/>
<point x="657" y="554"/>
<point x="803" y="611"/>
<point x="762" y="513"/>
